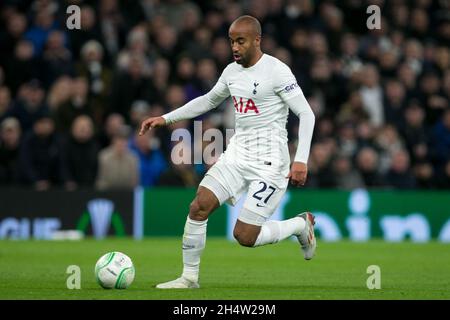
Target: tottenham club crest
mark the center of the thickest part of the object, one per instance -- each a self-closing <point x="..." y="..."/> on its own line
<point x="255" y="84"/>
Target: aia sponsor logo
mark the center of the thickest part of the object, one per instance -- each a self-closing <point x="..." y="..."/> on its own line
<point x="244" y="106"/>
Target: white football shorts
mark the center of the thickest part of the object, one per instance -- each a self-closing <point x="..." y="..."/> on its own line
<point x="264" y="183"/>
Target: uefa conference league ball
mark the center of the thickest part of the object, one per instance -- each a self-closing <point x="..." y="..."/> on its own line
<point x="114" y="270"/>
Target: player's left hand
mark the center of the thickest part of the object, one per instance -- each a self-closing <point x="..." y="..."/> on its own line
<point x="298" y="173"/>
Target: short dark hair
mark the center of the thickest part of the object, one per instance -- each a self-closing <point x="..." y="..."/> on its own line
<point x="251" y="21"/>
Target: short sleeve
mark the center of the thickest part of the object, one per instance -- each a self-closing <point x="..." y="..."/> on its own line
<point x="284" y="82"/>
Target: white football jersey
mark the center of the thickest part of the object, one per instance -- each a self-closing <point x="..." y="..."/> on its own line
<point x="262" y="95"/>
<point x="259" y="94"/>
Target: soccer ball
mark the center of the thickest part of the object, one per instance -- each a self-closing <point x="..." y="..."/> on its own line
<point x="114" y="270"/>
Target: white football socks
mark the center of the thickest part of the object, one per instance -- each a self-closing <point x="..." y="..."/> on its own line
<point x="274" y="231"/>
<point x="194" y="239"/>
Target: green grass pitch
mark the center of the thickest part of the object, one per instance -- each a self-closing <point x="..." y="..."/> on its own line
<point x="37" y="270"/>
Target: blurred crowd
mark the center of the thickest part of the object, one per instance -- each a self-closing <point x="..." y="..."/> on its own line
<point x="71" y="100"/>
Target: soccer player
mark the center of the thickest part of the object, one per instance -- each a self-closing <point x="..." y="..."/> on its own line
<point x="257" y="158"/>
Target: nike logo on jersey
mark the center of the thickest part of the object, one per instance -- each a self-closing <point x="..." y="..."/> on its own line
<point x="260" y="205"/>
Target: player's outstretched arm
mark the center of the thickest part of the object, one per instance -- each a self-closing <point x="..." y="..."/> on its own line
<point x="151" y="123"/>
<point x="199" y="105"/>
<point x="192" y="109"/>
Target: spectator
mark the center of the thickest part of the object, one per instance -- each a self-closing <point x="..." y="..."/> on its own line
<point x="113" y="124"/>
<point x="441" y="140"/>
<point x="175" y="11"/>
<point x="179" y="175"/>
<point x="160" y="79"/>
<point x="394" y="102"/>
<point x="81" y="152"/>
<point x="325" y="128"/>
<point x="59" y="93"/>
<point x="199" y="46"/>
<point x="418" y="28"/>
<point x="206" y="74"/>
<point x="332" y="18"/>
<point x="352" y="110"/>
<point x="367" y="164"/>
<point x="175" y="97"/>
<point x="413" y="55"/>
<point x="365" y="134"/>
<point x="346" y="177"/>
<point x="283" y="55"/>
<point x="347" y="140"/>
<point x="424" y="175"/>
<point x="400" y="175"/>
<point x="76" y="105"/>
<point x="118" y="167"/>
<point x="56" y="59"/>
<point x="446" y="84"/>
<point x="112" y="27"/>
<point x="5" y="102"/>
<point x="442" y="60"/>
<point x="30" y="104"/>
<point x="388" y="62"/>
<point x="399" y="15"/>
<point x="322" y="80"/>
<point x="16" y="25"/>
<point x="89" y="32"/>
<point x="185" y="77"/>
<point x="131" y="85"/>
<point x="150" y="159"/>
<point x="387" y="141"/>
<point x="321" y="175"/>
<point x="221" y="52"/>
<point x="137" y="45"/>
<point x="99" y="78"/>
<point x="443" y="177"/>
<point x="414" y="131"/>
<point x="44" y="24"/>
<point x="167" y="42"/>
<point x="140" y="110"/>
<point x="349" y="54"/>
<point x="10" y="138"/>
<point x="21" y="66"/>
<point x="302" y="56"/>
<point x="431" y="97"/>
<point x="41" y="156"/>
<point x="408" y="77"/>
<point x="371" y="93"/>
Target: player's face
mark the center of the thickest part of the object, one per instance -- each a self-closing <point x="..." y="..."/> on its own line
<point x="243" y="44"/>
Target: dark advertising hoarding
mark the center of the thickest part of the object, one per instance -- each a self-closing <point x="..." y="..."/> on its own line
<point x="27" y="214"/>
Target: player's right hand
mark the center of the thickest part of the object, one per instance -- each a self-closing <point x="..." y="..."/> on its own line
<point x="298" y="173"/>
<point x="151" y="123"/>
